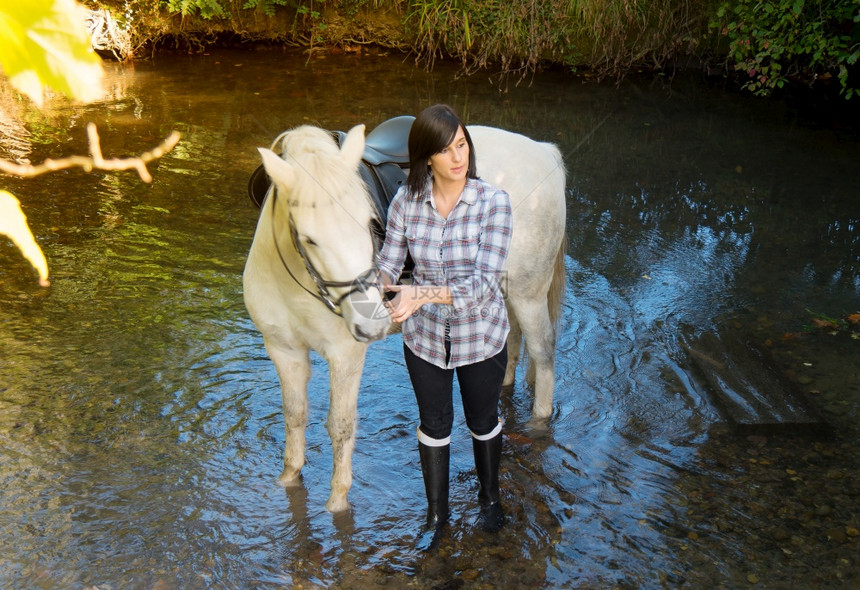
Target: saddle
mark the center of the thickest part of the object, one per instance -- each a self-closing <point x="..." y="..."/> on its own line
<point x="383" y="165"/>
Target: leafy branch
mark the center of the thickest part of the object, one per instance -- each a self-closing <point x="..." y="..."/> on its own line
<point x="95" y="161"/>
<point x="45" y="44"/>
<point x="773" y="42"/>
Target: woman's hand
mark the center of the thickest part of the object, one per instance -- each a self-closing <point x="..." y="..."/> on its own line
<point x="406" y="301"/>
<point x="409" y="298"/>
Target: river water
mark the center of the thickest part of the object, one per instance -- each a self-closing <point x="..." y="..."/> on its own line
<point x="140" y="418"/>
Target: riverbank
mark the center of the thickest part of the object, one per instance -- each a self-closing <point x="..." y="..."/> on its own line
<point x="820" y="105"/>
<point x="511" y="42"/>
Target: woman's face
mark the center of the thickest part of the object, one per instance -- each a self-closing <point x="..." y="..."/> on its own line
<point x="452" y="162"/>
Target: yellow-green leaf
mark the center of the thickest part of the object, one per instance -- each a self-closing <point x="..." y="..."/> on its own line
<point x="45" y="43"/>
<point x="13" y="223"/>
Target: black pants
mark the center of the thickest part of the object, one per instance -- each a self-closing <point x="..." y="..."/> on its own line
<point x="480" y="388"/>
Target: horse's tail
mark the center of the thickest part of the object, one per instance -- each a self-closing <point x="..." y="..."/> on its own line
<point x="555" y="296"/>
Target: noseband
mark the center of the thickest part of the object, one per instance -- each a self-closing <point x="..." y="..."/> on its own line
<point x="360" y="284"/>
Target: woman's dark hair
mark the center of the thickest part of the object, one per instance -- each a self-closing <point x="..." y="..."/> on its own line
<point x="432" y="131"/>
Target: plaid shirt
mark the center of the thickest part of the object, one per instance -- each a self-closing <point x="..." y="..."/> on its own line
<point x="466" y="253"/>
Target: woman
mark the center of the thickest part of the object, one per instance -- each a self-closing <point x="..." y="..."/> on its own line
<point x="457" y="229"/>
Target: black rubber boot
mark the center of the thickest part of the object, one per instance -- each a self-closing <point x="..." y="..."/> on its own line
<point x="488" y="453"/>
<point x="434" y="467"/>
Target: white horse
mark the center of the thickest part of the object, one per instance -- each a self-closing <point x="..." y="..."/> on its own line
<point x="310" y="277"/>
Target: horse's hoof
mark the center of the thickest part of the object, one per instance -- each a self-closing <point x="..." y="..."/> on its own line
<point x="290" y="479"/>
<point x="336" y="504"/>
<point x="537" y="423"/>
<point x="541" y="412"/>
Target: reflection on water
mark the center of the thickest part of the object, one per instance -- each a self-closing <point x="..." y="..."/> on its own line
<point x="140" y="418"/>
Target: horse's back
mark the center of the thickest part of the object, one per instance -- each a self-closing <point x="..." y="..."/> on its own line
<point x="519" y="164"/>
<point x="533" y="175"/>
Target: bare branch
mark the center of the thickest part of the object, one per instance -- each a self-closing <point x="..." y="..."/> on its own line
<point x="95" y="161"/>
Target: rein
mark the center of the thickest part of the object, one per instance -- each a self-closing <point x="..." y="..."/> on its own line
<point x="361" y="283"/>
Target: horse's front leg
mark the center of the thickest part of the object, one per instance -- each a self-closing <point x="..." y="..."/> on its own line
<point x="294" y="371"/>
<point x="345" y="370"/>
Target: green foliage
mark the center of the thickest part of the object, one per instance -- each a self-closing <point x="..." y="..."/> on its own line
<point x="611" y="36"/>
<point x="619" y="35"/>
<point x="442" y="26"/>
<point x="222" y="8"/>
<point x="207" y="8"/>
<point x="311" y="19"/>
<point x="778" y="40"/>
<point x="516" y="34"/>
<point x="268" y="6"/>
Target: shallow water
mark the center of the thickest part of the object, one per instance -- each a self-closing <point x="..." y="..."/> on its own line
<point x="140" y="417"/>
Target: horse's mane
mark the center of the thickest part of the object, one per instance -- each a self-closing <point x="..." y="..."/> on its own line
<point x="323" y="175"/>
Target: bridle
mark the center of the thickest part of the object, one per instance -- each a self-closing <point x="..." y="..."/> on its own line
<point x="360" y="284"/>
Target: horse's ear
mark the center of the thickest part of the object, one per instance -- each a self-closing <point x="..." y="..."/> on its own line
<point x="277" y="169"/>
<point x="353" y="147"/>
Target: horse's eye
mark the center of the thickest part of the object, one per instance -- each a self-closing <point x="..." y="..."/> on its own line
<point x="308" y="241"/>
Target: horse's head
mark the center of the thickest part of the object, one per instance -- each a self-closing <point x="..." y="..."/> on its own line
<point x="322" y="215"/>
